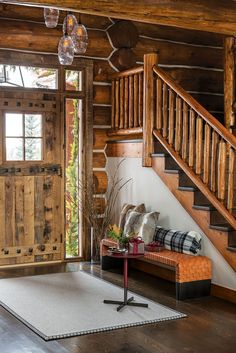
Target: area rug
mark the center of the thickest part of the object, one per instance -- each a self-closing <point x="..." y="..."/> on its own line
<point x="70" y="304"/>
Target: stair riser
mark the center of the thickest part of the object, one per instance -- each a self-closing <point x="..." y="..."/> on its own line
<point x="185" y="181"/>
<point x="232" y="238"/>
<point x="170" y="164"/>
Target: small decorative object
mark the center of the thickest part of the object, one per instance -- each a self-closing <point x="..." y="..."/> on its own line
<point x="66" y="50"/>
<point x="66" y="45"/>
<point x="92" y="212"/>
<point x="51" y="17"/>
<point x="154" y="246"/>
<point x="118" y="235"/>
<point x="69" y="24"/>
<point x="80" y="38"/>
<point x="136" y="246"/>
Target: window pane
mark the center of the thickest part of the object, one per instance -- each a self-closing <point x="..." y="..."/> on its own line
<point x="33" y="149"/>
<point x="10" y="76"/>
<point x="73" y="226"/>
<point x="14" y="149"/>
<point x="38" y="77"/>
<point x="33" y="125"/>
<point x="14" y="124"/>
<point x="73" y="80"/>
<point x="28" y="76"/>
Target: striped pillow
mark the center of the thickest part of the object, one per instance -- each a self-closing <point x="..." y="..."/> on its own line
<point x="183" y="242"/>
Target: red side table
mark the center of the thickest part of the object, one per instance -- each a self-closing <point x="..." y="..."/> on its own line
<point x="126" y="301"/>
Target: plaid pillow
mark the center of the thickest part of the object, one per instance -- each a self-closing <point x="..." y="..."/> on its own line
<point x="183" y="242"/>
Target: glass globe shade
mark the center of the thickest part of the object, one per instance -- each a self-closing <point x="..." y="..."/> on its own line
<point x="80" y="39"/>
<point x="66" y="50"/>
<point x="69" y="24"/>
<point x="51" y="17"/>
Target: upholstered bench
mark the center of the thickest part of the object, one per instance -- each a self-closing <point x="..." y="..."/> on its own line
<point x="192" y="273"/>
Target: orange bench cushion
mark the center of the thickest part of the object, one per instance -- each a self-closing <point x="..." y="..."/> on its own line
<point x="188" y="268"/>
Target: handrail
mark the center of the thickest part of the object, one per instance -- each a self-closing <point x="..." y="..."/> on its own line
<point x="200" y="110"/>
<point x="129" y="72"/>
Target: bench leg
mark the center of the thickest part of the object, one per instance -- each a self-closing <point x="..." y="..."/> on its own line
<point x="193" y="289"/>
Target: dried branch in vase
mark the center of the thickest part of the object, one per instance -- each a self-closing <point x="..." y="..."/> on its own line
<point x="91" y="210"/>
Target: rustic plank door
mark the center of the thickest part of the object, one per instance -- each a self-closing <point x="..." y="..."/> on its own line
<point x="31" y="192"/>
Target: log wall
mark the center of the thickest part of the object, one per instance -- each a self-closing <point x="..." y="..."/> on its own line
<point x="194" y="59"/>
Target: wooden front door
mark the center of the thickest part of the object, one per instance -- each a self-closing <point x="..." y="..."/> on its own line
<point x="31" y="183"/>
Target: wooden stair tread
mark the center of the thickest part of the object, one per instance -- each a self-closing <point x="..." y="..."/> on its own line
<point x="160" y="154"/>
<point x="208" y="207"/>
<point x="187" y="188"/>
<point x="231" y="248"/>
<point x="225" y="227"/>
<point x="172" y="171"/>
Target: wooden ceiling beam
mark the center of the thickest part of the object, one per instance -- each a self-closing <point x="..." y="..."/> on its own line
<point x="213" y="16"/>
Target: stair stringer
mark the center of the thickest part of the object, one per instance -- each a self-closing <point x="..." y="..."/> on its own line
<point x="218" y="238"/>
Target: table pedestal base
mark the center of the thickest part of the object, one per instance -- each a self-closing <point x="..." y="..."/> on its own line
<point x="123" y="304"/>
<point x="126" y="301"/>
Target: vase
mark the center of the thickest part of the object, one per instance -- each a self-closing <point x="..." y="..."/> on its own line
<point x="94" y="247"/>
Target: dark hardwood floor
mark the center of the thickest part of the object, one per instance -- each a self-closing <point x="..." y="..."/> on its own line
<point x="210" y="326"/>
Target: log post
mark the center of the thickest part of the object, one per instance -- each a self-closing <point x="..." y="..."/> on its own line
<point x="148" y="107"/>
<point x="229" y="82"/>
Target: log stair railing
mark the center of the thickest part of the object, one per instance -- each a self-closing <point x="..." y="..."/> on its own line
<point x="200" y="145"/>
<point x="146" y="100"/>
<point x="127" y="102"/>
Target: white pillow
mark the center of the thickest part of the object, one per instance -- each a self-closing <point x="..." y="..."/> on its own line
<point x="142" y="225"/>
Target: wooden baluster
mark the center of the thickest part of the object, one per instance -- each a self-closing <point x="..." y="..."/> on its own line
<point x="135" y="100"/>
<point x="206" y="161"/>
<point x="126" y="102"/>
<point x="185" y="132"/>
<point x="214" y="148"/>
<point x="191" y="139"/>
<point x="221" y="180"/>
<point x="121" y="103"/>
<point x="165" y="110"/>
<point x="171" y="117"/>
<point x="199" y="135"/>
<point x="117" y="111"/>
<point x="131" y="101"/>
<point x="230" y="196"/>
<point x="113" y="104"/>
<point x="229" y="82"/>
<point x="159" y="104"/>
<point x="140" y="103"/>
<point x="178" y="124"/>
<point x="150" y="60"/>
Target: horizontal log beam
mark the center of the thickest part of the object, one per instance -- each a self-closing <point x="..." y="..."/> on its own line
<point x="180" y="54"/>
<point x="20" y="35"/>
<point x="212" y="16"/>
<point x="34" y="14"/>
<point x="179" y="34"/>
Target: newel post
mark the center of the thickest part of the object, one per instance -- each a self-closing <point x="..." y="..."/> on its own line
<point x="229" y="82"/>
<point x="148" y="107"/>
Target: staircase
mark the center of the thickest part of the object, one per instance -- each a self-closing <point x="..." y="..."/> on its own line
<point x="212" y="223"/>
<point x="187" y="147"/>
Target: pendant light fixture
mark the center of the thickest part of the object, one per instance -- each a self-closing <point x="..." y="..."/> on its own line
<point x="66" y="47"/>
<point x="69" y="23"/>
<point x="80" y="38"/>
<point x="51" y="16"/>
